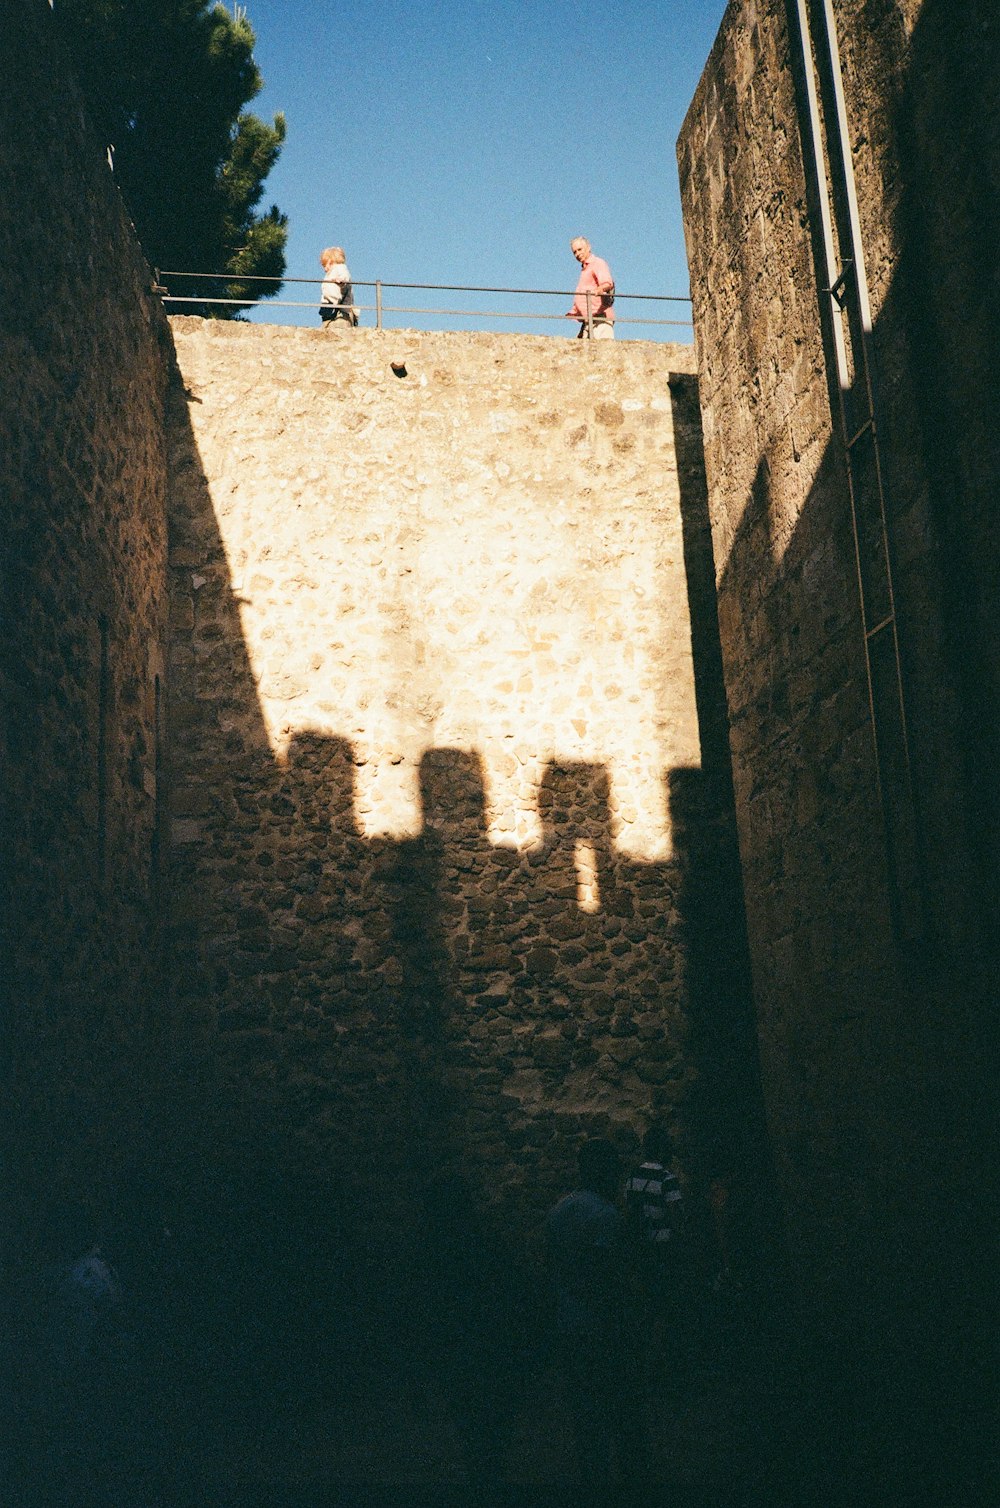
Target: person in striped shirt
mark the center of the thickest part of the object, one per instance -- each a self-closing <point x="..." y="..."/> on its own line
<point x="654" y="1212"/>
<point x="653" y="1202"/>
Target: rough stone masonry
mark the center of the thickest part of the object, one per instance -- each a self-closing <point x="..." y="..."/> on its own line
<point x="83" y="604"/>
<point x="431" y="692"/>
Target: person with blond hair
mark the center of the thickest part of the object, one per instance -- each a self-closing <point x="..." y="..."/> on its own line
<point x="337" y="298"/>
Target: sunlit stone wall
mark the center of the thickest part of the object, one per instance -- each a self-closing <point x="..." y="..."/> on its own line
<point x="433" y="726"/>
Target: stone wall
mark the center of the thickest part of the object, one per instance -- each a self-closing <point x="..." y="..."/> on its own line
<point x="799" y="724"/>
<point x="435" y="747"/>
<point x="83" y="361"/>
<point x="871" y="1038"/>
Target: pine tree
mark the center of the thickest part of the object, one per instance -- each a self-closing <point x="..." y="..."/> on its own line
<point x="165" y="83"/>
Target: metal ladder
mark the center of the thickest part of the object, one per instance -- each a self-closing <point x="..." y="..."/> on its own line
<point x="842" y="280"/>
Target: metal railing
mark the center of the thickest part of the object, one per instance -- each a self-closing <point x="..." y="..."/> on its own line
<point x="380" y="308"/>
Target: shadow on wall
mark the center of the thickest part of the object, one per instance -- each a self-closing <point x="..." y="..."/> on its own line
<point x="360" y="1017"/>
<point x="727" y="1101"/>
<point x="949" y="294"/>
<point x="873" y="1051"/>
<point x="946" y="305"/>
<point x="377" y="1051"/>
<point x="873" y="1055"/>
<point x="83" y="607"/>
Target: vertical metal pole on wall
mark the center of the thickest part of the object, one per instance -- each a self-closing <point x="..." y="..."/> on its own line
<point x="378" y="303"/>
<point x="590" y="317"/>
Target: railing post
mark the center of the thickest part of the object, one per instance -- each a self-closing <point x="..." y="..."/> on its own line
<point x="378" y="303"/>
<point x="590" y="316"/>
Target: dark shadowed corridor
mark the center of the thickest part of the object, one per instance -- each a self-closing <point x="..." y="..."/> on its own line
<point x="440" y="1374"/>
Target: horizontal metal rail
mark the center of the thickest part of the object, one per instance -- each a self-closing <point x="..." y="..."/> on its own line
<point x="242" y="303"/>
<point x="231" y="277"/>
<point x="380" y="308"/>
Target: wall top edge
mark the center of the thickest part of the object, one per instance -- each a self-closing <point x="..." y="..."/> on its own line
<point x="722" y="36"/>
<point x="673" y="355"/>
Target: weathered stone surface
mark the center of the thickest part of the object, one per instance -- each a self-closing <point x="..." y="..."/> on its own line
<point x="866" y="1031"/>
<point x="465" y="637"/>
<point x="83" y="371"/>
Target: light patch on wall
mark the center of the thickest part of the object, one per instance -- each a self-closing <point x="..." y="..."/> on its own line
<point x="411" y="610"/>
<point x="588" y="896"/>
<point x="387" y="797"/>
<point x="529" y="649"/>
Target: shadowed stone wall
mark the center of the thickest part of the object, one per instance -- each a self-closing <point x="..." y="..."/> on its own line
<point x="435" y="748"/>
<point x="872" y="1040"/>
<point x="83" y="363"/>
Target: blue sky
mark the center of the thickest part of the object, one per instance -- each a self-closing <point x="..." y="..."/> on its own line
<point x="466" y="141"/>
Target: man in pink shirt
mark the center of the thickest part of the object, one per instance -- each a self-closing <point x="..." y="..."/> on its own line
<point x="595" y="280"/>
